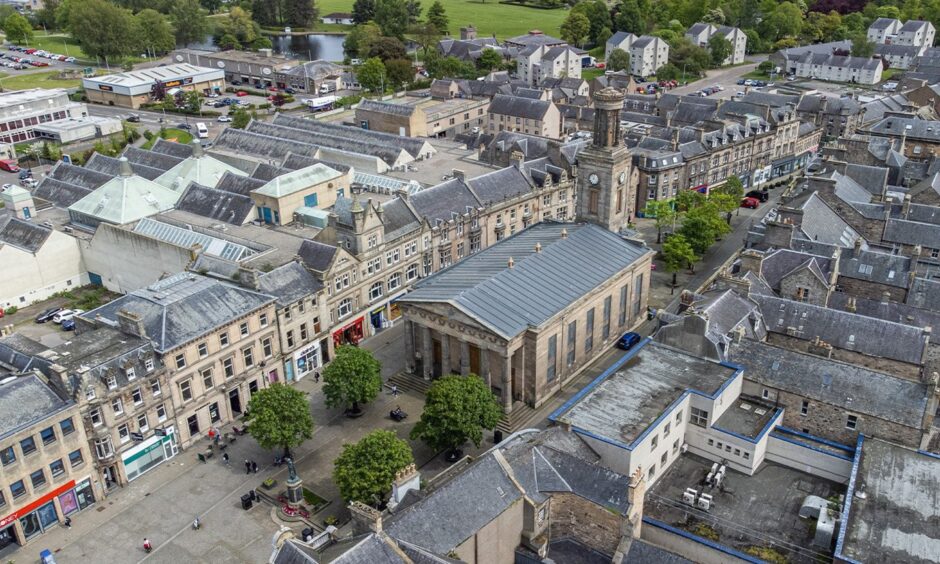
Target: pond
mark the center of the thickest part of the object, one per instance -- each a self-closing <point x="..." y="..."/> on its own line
<point x="311" y="46"/>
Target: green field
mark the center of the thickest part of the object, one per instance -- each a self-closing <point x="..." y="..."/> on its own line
<point x="489" y="18"/>
<point x="42" y="79"/>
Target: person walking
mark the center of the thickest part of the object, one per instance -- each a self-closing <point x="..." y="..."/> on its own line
<point x="394" y="390"/>
<point x="247" y="466"/>
<point x="254" y="466"/>
<point x="225" y="458"/>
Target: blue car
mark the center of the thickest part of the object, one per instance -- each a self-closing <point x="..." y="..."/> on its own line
<point x="68" y="325"/>
<point x="628" y="340"/>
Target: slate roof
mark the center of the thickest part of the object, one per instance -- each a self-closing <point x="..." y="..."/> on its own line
<point x="385" y="151"/>
<point x="519" y="107"/>
<point x="912" y="233"/>
<point x="238" y="184"/>
<point x="289" y="283"/>
<point x="499" y="185"/>
<point x="441" y="202"/>
<point x="851" y="387"/>
<point x="843" y="330"/>
<point x="540" y="285"/>
<point x="112" y="167"/>
<point x="398" y="219"/>
<point x="881" y="268"/>
<point x="178" y="150"/>
<point x="821" y="223"/>
<point x="22" y="234"/>
<point x="924" y="293"/>
<point x="315" y="255"/>
<point x="77" y="175"/>
<point x="240" y="141"/>
<point x="887" y="310"/>
<point x="61" y="194"/>
<point x="229" y="207"/>
<point x="883" y="23"/>
<point x="413" y="145"/>
<point x="183" y="307"/>
<point x="25" y="402"/>
<point x="782" y="262"/>
<point x="913" y="128"/>
<point x="151" y="159"/>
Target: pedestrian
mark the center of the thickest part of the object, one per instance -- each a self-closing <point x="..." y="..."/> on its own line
<point x="225" y="458"/>
<point x="254" y="466"/>
<point x="316" y="377"/>
<point x="211" y="433"/>
<point x="247" y="466"/>
<point x="394" y="390"/>
<point x="67" y="522"/>
<point x="216" y="438"/>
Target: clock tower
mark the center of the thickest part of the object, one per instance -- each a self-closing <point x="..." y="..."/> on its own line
<point x="606" y="177"/>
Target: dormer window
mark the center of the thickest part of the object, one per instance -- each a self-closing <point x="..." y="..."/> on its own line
<point x="90" y="393"/>
<point x="112" y="382"/>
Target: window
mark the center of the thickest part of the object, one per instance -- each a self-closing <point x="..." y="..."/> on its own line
<point x="248" y="356"/>
<point x="67" y="427"/>
<point x="76" y="459"/>
<point x="155" y="388"/>
<point x="572" y="341"/>
<point x="207" y="382"/>
<point x="290" y="339"/>
<point x="28" y="445"/>
<point x="622" y="319"/>
<point x="18" y="489"/>
<point x="137" y="396"/>
<point x="47" y="435"/>
<point x="593" y="198"/>
<point x="664" y="458"/>
<point x="90" y="393"/>
<point x="727" y="448"/>
<point x="186" y="390"/>
<point x="7" y="456"/>
<point x="124" y="433"/>
<point x="103" y="447"/>
<point x="605" y="328"/>
<point x="737" y="452"/>
<point x="142" y="424"/>
<point x="57" y="468"/>
<point x="850" y="423"/>
<point x="372" y="241"/>
<point x="345" y="308"/>
<point x="804" y="407"/>
<point x="589" y="331"/>
<point x="655" y="442"/>
<point x="266" y="348"/>
<point x="666" y="429"/>
<point x="228" y="367"/>
<point x="203" y="350"/>
<point x="747" y="455"/>
<point x="675" y="446"/>
<point x="118" y="406"/>
<point x="552" y="353"/>
<point x="765" y="394"/>
<point x="637" y="294"/>
<point x="412" y="272"/>
<point x="652" y="472"/>
<point x="699" y="417"/>
<point x="130" y="373"/>
<point x="180" y="361"/>
<point x="223" y="339"/>
<point x="720" y="445"/>
<point x="376" y="291"/>
<point x="711" y="442"/>
<point x="678" y="417"/>
<point x="243" y="329"/>
<point x="95" y="416"/>
<point x="161" y="412"/>
<point x="112" y="382"/>
<point x="263" y="318"/>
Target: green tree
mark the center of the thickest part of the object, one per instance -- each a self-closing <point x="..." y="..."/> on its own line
<point x="732" y="187"/>
<point x="386" y="48"/>
<point x="279" y="417"/>
<point x="17" y="29"/>
<point x="664" y="214"/>
<point x="190" y="24"/>
<point x="456" y="410"/>
<point x="399" y="72"/>
<point x="702" y="226"/>
<point x="575" y="28"/>
<point x="359" y="40"/>
<point x="714" y="16"/>
<point x="426" y="35"/>
<point x="720" y="49"/>
<point x="619" y="60"/>
<point x="103" y="29"/>
<point x="228" y="42"/>
<point x="489" y="59"/>
<point x="437" y="16"/>
<point x="239" y="25"/>
<point x="240" y="118"/>
<point x="392" y="17"/>
<point x="156" y="35"/>
<point x="363" y="11"/>
<point x="211" y="6"/>
<point x="686" y="55"/>
<point x="669" y="71"/>
<point x="354" y="376"/>
<point x="602" y="36"/>
<point x="299" y="13"/>
<point x="365" y="470"/>
<point x="687" y="200"/>
<point x="45" y="16"/>
<point x="786" y="20"/>
<point x="598" y="15"/>
<point x="861" y="46"/>
<point x="726" y="203"/>
<point x="678" y="254"/>
<point x="192" y="101"/>
<point x="630" y="17"/>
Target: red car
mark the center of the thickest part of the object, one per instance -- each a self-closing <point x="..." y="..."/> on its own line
<point x="241" y="93"/>
<point x="751" y="203"/>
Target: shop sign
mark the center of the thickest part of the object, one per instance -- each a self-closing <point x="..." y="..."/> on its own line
<point x="27" y="509"/>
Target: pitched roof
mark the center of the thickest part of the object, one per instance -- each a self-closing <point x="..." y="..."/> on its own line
<point x="574" y="259"/>
<point x="381" y="149"/>
<point x="22" y="234"/>
<point x="441" y="202"/>
<point x="499" y="185"/>
<point x="317" y="256"/>
<point x="416" y="147"/>
<point x="25" y="401"/>
<point x="386" y="108"/>
<point x="125" y="199"/>
<point x="519" y="107"/>
<point x="199" y="168"/>
<point x="289" y="283"/>
<point x="297" y="180"/>
<point x="229" y="207"/>
<point x="112" y="167"/>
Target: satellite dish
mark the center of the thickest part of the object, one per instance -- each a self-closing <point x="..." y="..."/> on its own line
<point x="179" y="58"/>
<point x="265" y="71"/>
<point x="221" y="64"/>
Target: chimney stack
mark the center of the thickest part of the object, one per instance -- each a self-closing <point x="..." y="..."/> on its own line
<point x="460" y="175"/>
<point x="248" y="277"/>
<point x="516" y="158"/>
<point x="131" y="323"/>
<point x="406" y="479"/>
<point x="851" y="306"/>
<point x="538" y="247"/>
<point x="365" y="519"/>
<point x="564" y="233"/>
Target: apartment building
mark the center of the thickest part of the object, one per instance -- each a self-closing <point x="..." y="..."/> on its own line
<point x="916" y="33"/>
<point x="647" y="55"/>
<point x="837" y="68"/>
<point x="536" y="63"/>
<point x="219" y="343"/>
<point x="700" y="33"/>
<point x="622" y="40"/>
<point x="883" y="30"/>
<point x="524" y="115"/>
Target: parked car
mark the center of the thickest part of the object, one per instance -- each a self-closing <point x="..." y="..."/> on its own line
<point x="70" y="59"/>
<point x="9" y="165"/>
<point x="65" y="314"/>
<point x="241" y="93"/>
<point x="24" y="174"/>
<point x="740" y="82"/>
<point x="751" y="203"/>
<point x="68" y="325"/>
<point x="30" y="183"/>
<point x="628" y="340"/>
<point x="224" y="119"/>
<point x="185" y="126"/>
<point x="739" y="93"/>
<point x="48" y="314"/>
<point x="133" y="118"/>
<point x="761" y="195"/>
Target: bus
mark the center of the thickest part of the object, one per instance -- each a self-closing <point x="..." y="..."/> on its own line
<point x="202" y="130"/>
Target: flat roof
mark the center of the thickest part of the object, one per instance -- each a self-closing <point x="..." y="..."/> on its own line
<point x="747" y="417"/>
<point x="622" y="403"/>
<point x="747" y="510"/>
<point x="898" y="519"/>
<point x="25" y="401"/>
<point x="31" y="95"/>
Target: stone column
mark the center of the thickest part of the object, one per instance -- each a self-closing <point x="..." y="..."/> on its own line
<point x="445" y="354"/>
<point x="520" y="356"/>
<point x="427" y="354"/>
<point x="464" y="358"/>
<point x="485" y="367"/>
<point x="409" y="346"/>
<point x="507" y="383"/>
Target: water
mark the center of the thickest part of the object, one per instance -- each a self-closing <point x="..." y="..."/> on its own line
<point x="312" y="46"/>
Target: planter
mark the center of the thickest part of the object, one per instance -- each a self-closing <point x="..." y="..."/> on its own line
<point x="269" y="484"/>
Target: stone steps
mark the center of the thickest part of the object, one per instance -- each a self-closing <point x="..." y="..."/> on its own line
<point x="410" y="383"/>
<point x="521" y="416"/>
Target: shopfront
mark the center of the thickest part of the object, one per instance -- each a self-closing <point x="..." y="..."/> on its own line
<point x="384" y="317"/>
<point x="163" y="445"/>
<point x="38" y="516"/>
<point x="307" y="359"/>
<point x="351" y="334"/>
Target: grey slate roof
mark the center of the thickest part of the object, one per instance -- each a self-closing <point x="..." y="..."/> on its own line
<point x="781" y="262"/>
<point x="914" y="128"/>
<point x="889" y="311"/>
<point x="398" y="219"/>
<point x="519" y="107"/>
<point x="152" y="159"/>
<point x="885" y="268"/>
<point x="178" y="150"/>
<point x="183" y="307"/>
<point x="413" y="145"/>
<point x="843" y="330"/>
<point x="317" y="256"/>
<point x="924" y="293"/>
<point x="22" y="234"/>
<point x="240" y="141"/>
<point x="26" y="401"/>
<point x="112" y="167"/>
<point x="540" y="285"/>
<point x="499" y="185"/>
<point x="385" y="151"/>
<point x="61" y="194"/>
<point x="229" y="207"/>
<point x="882" y="23"/>
<point x="78" y="175"/>
<point x="912" y="233"/>
<point x="238" y="184"/>
<point x="289" y="283"/>
<point x="441" y="202"/>
<point x="851" y="387"/>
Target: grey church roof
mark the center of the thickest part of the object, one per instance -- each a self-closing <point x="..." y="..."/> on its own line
<point x="574" y="260"/>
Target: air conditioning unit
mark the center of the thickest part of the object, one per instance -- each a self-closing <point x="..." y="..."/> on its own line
<point x="689" y="495"/>
<point x="704" y="502"/>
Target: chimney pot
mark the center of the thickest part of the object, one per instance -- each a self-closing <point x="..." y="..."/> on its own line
<point x="564" y="233"/>
<point x="538" y="247"/>
<point x="511" y="262"/>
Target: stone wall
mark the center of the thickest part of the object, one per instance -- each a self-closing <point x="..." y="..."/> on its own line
<point x="592" y="525"/>
<point x="817" y="291"/>
<point x="893" y="367"/>
<point x="871" y="290"/>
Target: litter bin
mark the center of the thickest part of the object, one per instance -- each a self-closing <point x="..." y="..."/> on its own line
<point x="497" y="437"/>
<point x="246" y="502"/>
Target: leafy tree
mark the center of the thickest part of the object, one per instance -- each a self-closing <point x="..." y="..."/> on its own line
<point x="702" y="226"/>
<point x="664" y="214"/>
<point x="239" y="25"/>
<point x="426" y="35"/>
<point x="354" y="376"/>
<point x="437" y="16"/>
<point x="755" y="43"/>
<point x="45" y="16"/>
<point x="212" y="6"/>
<point x="669" y="71"/>
<point x="392" y="17"/>
<point x="861" y="46"/>
<point x="687" y="200"/>
<point x="448" y="67"/>
<point x="619" y="60"/>
<point x="279" y="417"/>
<point x="359" y="40"/>
<point x="489" y="59"/>
<point x="192" y="101"/>
<point x="363" y="11"/>
<point x="102" y="29"/>
<point x="300" y="13"/>
<point x="602" y="36"/>
<point x="686" y="55"/>
<point x="726" y="203"/>
<point x="413" y="7"/>
<point x="155" y="31"/>
<point x="714" y="16"/>
<point x="720" y="49"/>
<point x="765" y="66"/>
<point x="365" y="470"/>
<point x="457" y="409"/>
<point x="786" y="20"/>
<point x="17" y="29"/>
<point x="386" y="48"/>
<point x="630" y="17"/>
<point x="732" y="187"/>
<point x="240" y="118"/>
<point x="678" y="254"/>
<point x="399" y="72"/>
<point x="598" y="15"/>
<point x="190" y="24"/>
<point x="228" y="42"/>
<point x="575" y="28"/>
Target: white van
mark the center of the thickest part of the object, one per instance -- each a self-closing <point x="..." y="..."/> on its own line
<point x="202" y="130"/>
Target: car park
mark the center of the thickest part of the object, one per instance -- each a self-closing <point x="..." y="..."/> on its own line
<point x="65" y="314"/>
<point x="47" y="314"/>
<point x="628" y="340"/>
<point x="750" y="203"/>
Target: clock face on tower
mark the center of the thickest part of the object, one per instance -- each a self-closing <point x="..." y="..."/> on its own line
<point x="593" y="179"/>
<point x="623" y="176"/>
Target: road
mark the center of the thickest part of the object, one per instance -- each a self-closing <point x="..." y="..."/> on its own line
<point x="726" y="77"/>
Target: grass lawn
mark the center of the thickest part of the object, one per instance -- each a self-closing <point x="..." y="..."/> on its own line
<point x="172" y="134"/>
<point x="590" y="74"/>
<point x="57" y="43"/>
<point x="489" y="18"/>
<point x="888" y="74"/>
<point x="44" y="79"/>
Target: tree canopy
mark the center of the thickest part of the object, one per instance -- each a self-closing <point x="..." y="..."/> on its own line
<point x="619" y="60"/>
<point x="365" y="470"/>
<point x="678" y="253"/>
<point x="575" y="28"/>
<point x="155" y="34"/>
<point x="456" y="410"/>
<point x="720" y="49"/>
<point x="279" y="417"/>
<point x="17" y="28"/>
<point x="354" y="376"/>
<point x="190" y="24"/>
<point x="437" y="16"/>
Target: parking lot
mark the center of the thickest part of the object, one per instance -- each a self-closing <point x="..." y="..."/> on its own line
<point x="16" y="58"/>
